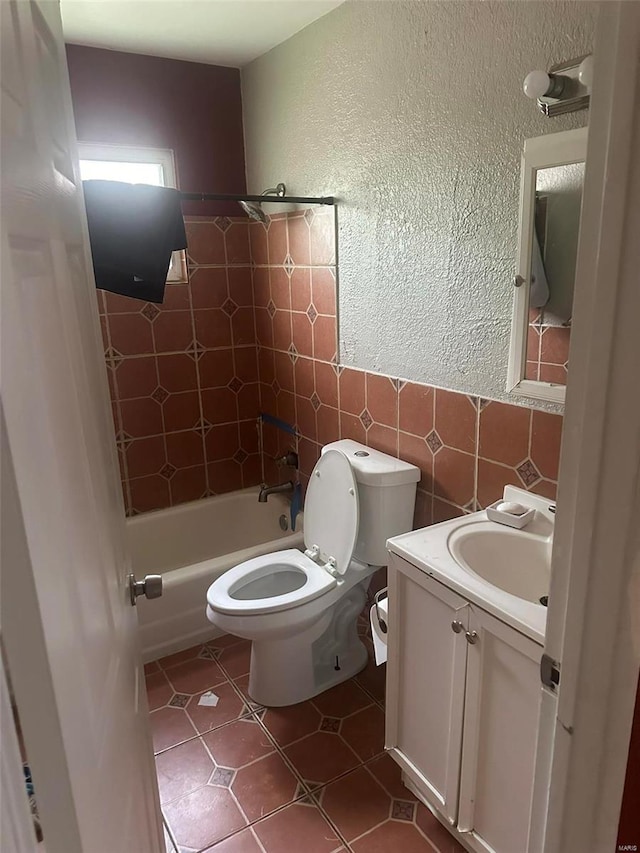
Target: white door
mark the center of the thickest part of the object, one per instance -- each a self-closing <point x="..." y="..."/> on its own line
<point x="501" y="714"/>
<point x="68" y="627"/>
<point x="593" y="625"/>
<point x="425" y="682"/>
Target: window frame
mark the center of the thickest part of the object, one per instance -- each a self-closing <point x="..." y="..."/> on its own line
<point x="109" y="152"/>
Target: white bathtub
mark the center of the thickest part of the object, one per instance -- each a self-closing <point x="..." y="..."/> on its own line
<point x="190" y="546"/>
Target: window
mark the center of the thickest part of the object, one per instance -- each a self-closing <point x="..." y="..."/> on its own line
<point x="133" y="165"/>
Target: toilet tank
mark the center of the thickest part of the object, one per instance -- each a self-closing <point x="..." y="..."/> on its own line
<point x="386" y="496"/>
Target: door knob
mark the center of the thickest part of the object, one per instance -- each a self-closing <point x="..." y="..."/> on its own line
<point x="472" y="637"/>
<point x="151" y="587"/>
<point x="457" y="626"/>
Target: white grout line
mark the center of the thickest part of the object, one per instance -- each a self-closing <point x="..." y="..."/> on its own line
<point x="280" y="751"/>
<point x="118" y="426"/>
<point x="257" y="840"/>
<point x="167" y="829"/>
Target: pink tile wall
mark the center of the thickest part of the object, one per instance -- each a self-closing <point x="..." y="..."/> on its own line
<point x="184" y="376"/>
<point x="255" y="329"/>
<point x="547" y="349"/>
<point x="467" y="448"/>
<point x="294" y="280"/>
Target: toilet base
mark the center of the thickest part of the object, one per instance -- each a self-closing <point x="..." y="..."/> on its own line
<point x="296" y="668"/>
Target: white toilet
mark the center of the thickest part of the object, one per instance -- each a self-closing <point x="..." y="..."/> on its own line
<point x="301" y="609"/>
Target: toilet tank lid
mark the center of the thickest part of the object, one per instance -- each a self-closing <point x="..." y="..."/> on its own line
<point x="374" y="468"/>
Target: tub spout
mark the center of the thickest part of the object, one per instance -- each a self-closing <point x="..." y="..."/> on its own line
<point x="282" y="489"/>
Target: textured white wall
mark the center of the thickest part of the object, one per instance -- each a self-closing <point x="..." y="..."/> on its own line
<point x="412" y="113"/>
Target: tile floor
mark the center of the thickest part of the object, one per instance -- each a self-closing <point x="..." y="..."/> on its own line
<point x="313" y="777"/>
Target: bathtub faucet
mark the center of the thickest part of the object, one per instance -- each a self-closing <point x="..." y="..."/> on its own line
<point x="289" y="460"/>
<point x="282" y="489"/>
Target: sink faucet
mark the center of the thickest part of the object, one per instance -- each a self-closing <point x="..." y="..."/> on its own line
<point x="282" y="489"/>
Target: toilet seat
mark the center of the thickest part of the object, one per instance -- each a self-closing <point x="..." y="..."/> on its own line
<point x="261" y="574"/>
<point x="331" y="512"/>
<point x="286" y="579"/>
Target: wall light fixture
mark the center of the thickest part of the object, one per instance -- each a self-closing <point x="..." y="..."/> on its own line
<point x="565" y="88"/>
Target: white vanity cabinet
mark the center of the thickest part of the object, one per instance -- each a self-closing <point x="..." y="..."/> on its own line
<point x="426" y="668"/>
<point x="463" y="697"/>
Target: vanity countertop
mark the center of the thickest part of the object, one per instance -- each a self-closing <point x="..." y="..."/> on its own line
<point x="521" y="559"/>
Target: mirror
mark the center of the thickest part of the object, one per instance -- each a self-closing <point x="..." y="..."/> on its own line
<point x="551" y="184"/>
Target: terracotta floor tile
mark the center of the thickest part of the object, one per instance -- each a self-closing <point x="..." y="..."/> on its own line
<point x="442" y="839"/>
<point x="341" y="700"/>
<point x="159" y="691"/>
<point x="170" y="726"/>
<point x="203" y="817"/>
<point x="357" y="798"/>
<point x="355" y="803"/>
<point x="194" y="676"/>
<point x="179" y="657"/>
<point x="388" y="773"/>
<point x="241" y="842"/>
<point x="242" y="684"/>
<point x="391" y="836"/>
<point x="236" y="658"/>
<point x="151" y="667"/>
<point x="183" y="769"/>
<point x="264" y="786"/>
<point x="290" y="724"/>
<point x="373" y="678"/>
<point x="207" y="717"/>
<point x="321" y="757"/>
<point x="239" y="743"/>
<point x="225" y="640"/>
<point x="297" y="828"/>
<point x="364" y="732"/>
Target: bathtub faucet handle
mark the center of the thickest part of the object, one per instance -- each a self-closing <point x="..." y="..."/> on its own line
<point x="289" y="460"/>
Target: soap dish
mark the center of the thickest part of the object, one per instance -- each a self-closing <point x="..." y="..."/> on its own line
<point x="511" y="519"/>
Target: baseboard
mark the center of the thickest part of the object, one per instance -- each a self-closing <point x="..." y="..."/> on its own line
<point x="153" y="648"/>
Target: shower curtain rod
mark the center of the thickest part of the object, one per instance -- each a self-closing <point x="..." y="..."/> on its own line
<point x="268" y="199"/>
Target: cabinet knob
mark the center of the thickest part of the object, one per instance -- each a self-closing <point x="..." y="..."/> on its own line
<point x="472" y="637"/>
<point x="457" y="626"/>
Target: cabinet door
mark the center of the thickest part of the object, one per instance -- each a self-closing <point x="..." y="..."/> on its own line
<point x="425" y="682"/>
<point x="502" y="707"/>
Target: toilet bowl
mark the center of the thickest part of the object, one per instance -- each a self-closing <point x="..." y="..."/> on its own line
<point x="300" y="609"/>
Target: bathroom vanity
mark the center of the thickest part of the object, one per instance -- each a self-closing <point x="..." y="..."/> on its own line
<point x="463" y="675"/>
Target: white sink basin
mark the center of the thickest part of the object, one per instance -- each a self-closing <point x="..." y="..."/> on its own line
<point x="503" y="570"/>
<point x="515" y="561"/>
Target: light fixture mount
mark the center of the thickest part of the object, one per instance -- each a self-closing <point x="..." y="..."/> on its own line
<point x="564" y="88"/>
